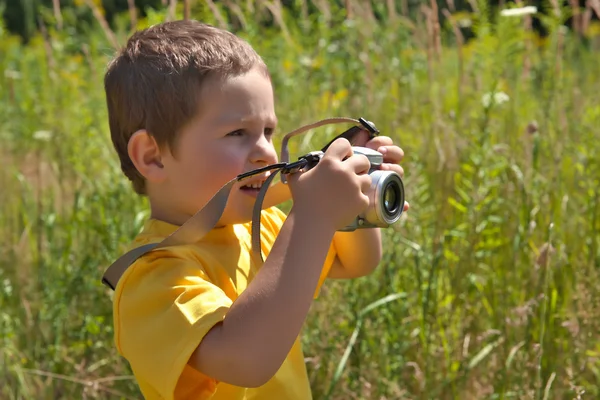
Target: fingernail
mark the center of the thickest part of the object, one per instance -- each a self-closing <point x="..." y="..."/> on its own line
<point x="382" y="150"/>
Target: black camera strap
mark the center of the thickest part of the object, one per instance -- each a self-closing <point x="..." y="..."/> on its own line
<point x="197" y="226"/>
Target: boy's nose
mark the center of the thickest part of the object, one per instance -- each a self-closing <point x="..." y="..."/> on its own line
<point x="264" y="152"/>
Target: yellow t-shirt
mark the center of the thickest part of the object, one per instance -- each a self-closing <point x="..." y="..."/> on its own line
<point x="170" y="298"/>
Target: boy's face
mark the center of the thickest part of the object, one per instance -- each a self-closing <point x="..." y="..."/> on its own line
<point x="231" y="135"/>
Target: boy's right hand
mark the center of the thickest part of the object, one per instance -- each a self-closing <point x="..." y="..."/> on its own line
<point x="335" y="189"/>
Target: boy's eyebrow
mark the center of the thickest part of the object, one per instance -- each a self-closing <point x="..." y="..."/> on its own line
<point x="236" y="119"/>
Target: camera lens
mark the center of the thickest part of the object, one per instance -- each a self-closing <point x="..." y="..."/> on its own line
<point x="386" y="198"/>
<point x="391" y="198"/>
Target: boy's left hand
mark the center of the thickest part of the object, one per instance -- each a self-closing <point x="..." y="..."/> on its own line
<point x="392" y="155"/>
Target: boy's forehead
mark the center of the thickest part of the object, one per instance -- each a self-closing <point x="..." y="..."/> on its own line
<point x="246" y="98"/>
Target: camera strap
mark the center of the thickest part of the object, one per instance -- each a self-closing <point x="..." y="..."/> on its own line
<point x="197" y="226"/>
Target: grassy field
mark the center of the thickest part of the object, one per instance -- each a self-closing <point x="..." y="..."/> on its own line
<point x="490" y="286"/>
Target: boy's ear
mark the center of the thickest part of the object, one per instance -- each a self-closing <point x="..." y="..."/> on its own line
<point x="144" y="152"/>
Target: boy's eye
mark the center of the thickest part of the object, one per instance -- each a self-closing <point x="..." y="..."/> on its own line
<point x="239" y="132"/>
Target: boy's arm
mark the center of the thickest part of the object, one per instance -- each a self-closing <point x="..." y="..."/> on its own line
<point x="251" y="343"/>
<point x="249" y="346"/>
<point x="358" y="253"/>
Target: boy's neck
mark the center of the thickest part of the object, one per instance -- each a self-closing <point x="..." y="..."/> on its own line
<point x="164" y="210"/>
<point x="170" y="215"/>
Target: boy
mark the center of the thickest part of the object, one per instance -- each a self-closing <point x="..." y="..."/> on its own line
<point x="191" y="107"/>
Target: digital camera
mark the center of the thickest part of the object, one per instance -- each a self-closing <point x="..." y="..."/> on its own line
<point x="386" y="195"/>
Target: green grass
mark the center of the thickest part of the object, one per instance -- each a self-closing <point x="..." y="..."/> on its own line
<point x="490" y="285"/>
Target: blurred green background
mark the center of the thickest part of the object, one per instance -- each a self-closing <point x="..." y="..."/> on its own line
<point x="489" y="287"/>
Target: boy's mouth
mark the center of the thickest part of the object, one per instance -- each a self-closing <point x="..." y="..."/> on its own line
<point x="252" y="188"/>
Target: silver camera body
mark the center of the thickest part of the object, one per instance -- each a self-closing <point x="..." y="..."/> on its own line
<point x="386" y="195"/>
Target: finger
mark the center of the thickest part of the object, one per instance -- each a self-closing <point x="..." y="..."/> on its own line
<point x="393" y="167"/>
<point x="378" y="142"/>
<point x="365" y="183"/>
<point x="359" y="163"/>
<point x="339" y="149"/>
<point x="366" y="202"/>
<point x="391" y="154"/>
<point x="406" y="206"/>
<point x="291" y="179"/>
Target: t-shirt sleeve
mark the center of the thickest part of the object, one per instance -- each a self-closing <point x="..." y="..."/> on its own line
<point x="274" y="219"/>
<point x="163" y="307"/>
